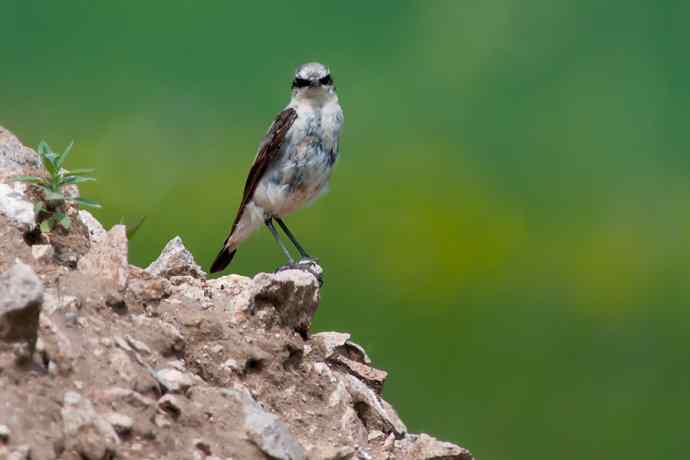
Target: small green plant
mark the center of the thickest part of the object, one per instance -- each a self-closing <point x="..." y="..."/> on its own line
<point x="51" y="209"/>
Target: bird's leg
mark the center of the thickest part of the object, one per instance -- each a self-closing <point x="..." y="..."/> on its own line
<point x="274" y="232"/>
<point x="306" y="262"/>
<point x="289" y="234"/>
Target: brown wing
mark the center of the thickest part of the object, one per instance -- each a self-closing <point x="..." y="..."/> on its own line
<point x="268" y="149"/>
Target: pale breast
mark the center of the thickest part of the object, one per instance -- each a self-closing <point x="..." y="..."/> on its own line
<point x="305" y="162"/>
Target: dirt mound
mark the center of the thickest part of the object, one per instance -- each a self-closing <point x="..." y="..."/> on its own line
<point x="100" y="359"/>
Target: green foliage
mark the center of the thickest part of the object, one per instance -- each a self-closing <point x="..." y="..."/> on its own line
<point x="51" y="209"/>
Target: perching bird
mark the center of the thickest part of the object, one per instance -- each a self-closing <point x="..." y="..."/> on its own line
<point x="293" y="164"/>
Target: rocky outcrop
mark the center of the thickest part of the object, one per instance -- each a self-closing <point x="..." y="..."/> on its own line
<point x="164" y="363"/>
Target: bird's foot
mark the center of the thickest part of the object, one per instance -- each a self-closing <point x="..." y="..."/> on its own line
<point x="307" y="264"/>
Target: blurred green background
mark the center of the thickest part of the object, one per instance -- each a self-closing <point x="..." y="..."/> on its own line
<point x="508" y="228"/>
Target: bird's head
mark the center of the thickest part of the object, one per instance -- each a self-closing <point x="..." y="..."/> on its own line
<point x="313" y="81"/>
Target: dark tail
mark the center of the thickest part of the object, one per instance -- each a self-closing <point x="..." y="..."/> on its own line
<point x="223" y="259"/>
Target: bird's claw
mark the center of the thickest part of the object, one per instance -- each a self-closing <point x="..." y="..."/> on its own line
<point x="307" y="264"/>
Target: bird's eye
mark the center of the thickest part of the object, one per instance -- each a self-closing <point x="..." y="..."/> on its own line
<point x="300" y="83"/>
<point x="327" y="80"/>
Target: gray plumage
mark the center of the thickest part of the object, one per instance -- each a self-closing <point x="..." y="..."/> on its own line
<point x="294" y="160"/>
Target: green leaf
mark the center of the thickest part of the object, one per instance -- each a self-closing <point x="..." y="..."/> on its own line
<point x="79" y="171"/>
<point x="29" y="179"/>
<point x="84" y="202"/>
<point x="132" y="230"/>
<point x="61" y="158"/>
<point x="65" y="221"/>
<point x="69" y="180"/>
<point x="43" y="148"/>
<point x="46" y="226"/>
<point x="39" y="206"/>
<point x="51" y="195"/>
<point x="49" y="166"/>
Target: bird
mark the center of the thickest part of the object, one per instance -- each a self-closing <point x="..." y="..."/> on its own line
<point x="293" y="163"/>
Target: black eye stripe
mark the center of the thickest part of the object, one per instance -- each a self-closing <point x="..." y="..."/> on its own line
<point x="300" y="83"/>
<point x="327" y="80"/>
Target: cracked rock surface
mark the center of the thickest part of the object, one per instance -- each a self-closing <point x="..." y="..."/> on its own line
<point x="164" y="363"/>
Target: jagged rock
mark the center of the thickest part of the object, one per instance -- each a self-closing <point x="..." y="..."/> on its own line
<point x="107" y="260"/>
<point x="21" y="296"/>
<point x="332" y="453"/>
<point x="57" y="348"/>
<point x="130" y="372"/>
<point x="330" y="342"/>
<point x="294" y="294"/>
<point x="117" y="396"/>
<point x="175" y="260"/>
<point x="20" y="453"/>
<point x="86" y="432"/>
<point x="375" y="412"/>
<point x="4" y="434"/>
<point x="297" y="394"/>
<point x="266" y="430"/>
<point x="53" y="302"/>
<point x="173" y="380"/>
<point x="203" y="446"/>
<point x="15" y="205"/>
<point x="425" y="447"/>
<point x="146" y="288"/>
<point x="171" y="405"/>
<point x="96" y="231"/>
<point x="138" y="345"/>
<point x="121" y="423"/>
<point x="42" y="252"/>
<point x="15" y="157"/>
<point x="356" y="352"/>
<point x="373" y="377"/>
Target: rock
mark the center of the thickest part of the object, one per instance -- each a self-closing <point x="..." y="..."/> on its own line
<point x="232" y="365"/>
<point x="175" y="260"/>
<point x="375" y="412"/>
<point x="266" y="430"/>
<point x="138" y="345"/>
<point x="116" y="396"/>
<point x="356" y="352"/>
<point x="145" y="287"/>
<point x="87" y="433"/>
<point x="53" y="302"/>
<point x="332" y="453"/>
<point x="129" y="372"/>
<point x="375" y="434"/>
<point x="330" y="342"/>
<point x="170" y="404"/>
<point x="339" y="343"/>
<point x="57" y="348"/>
<point x="21" y="296"/>
<point x="173" y="339"/>
<point x="96" y="231"/>
<point x="107" y="260"/>
<point x="20" y="453"/>
<point x="121" y="423"/>
<point x="15" y="205"/>
<point x="162" y="420"/>
<point x="203" y="446"/>
<point x="14" y="157"/>
<point x="173" y="380"/>
<point x="294" y="294"/>
<point x="373" y="377"/>
<point x="4" y="434"/>
<point x="122" y="343"/>
<point x="425" y="447"/>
